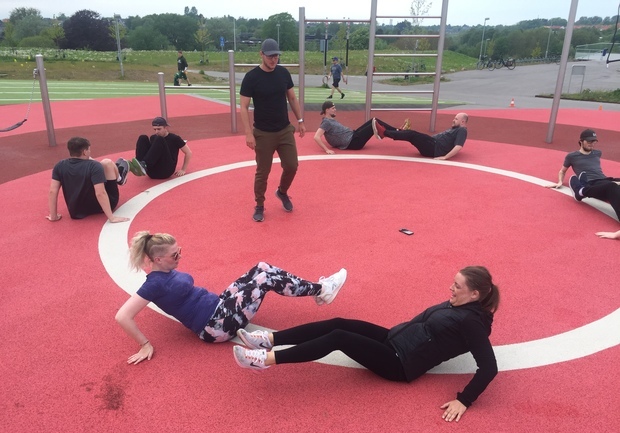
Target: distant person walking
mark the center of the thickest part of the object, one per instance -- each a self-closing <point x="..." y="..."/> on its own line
<point x="182" y="69"/>
<point x="335" y="73"/>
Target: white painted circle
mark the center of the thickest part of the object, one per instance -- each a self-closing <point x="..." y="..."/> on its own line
<point x="577" y="343"/>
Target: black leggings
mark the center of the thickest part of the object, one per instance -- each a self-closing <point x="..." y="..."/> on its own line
<point x="364" y="342"/>
<point x="423" y="142"/>
<point x="364" y="133"/>
<point x="606" y="190"/>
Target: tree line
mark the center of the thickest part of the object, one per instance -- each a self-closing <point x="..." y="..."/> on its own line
<point x="191" y="31"/>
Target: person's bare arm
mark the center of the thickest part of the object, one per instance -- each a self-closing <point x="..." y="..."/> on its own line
<point x="125" y="318"/>
<point x="53" y="201"/>
<point x="187" y="155"/>
<point x="104" y="202"/>
<point x="450" y="154"/>
<point x="244" y="102"/>
<point x="294" y="103"/>
<point x="320" y="133"/>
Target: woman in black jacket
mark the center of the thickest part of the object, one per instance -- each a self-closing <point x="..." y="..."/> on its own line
<point x="407" y="351"/>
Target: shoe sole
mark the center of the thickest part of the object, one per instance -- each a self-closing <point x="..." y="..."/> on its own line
<point x="135" y="170"/>
<point x="138" y="167"/>
<point x="572" y="190"/>
<point x="374" y="128"/>
<point x="284" y="207"/>
<point x="339" y="287"/>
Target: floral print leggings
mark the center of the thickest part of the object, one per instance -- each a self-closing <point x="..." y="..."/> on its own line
<point x="242" y="299"/>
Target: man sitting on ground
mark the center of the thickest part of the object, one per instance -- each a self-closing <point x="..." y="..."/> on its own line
<point x="158" y="155"/>
<point x="444" y="145"/>
<point x="589" y="179"/>
<point x="89" y="186"/>
<point x="341" y="137"/>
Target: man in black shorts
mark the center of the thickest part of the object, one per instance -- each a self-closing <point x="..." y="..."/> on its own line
<point x="89" y="186"/>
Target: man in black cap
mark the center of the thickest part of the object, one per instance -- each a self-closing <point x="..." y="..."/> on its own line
<point x="158" y="155"/>
<point x="589" y="179"/>
<point x="341" y="137"/>
<point x="269" y="86"/>
<point x="335" y="72"/>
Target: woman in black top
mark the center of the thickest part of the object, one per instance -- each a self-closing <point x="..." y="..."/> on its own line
<point x="405" y="352"/>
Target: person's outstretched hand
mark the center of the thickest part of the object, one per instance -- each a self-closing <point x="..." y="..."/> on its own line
<point x="146" y="352"/>
<point x="453" y="410"/>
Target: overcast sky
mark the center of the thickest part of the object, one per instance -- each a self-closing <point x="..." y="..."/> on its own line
<point x="471" y="12"/>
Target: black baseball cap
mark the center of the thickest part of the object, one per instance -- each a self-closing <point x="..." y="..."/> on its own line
<point x="270" y="47"/>
<point x="588" y="135"/>
<point x="159" y="121"/>
<point x="326" y="105"/>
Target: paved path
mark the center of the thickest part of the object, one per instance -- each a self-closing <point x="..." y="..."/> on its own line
<point x="495" y="89"/>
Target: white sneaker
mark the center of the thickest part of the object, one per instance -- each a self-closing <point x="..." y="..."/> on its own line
<point x="252" y="359"/>
<point x="331" y="286"/>
<point x="255" y="340"/>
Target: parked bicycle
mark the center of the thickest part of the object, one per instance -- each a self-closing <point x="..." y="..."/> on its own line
<point x="485" y="62"/>
<point x="510" y="63"/>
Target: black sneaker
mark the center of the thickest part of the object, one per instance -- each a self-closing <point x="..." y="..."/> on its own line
<point x="258" y="214"/>
<point x="123" y="170"/>
<point x="329" y="97"/>
<point x="286" y="201"/>
<point x="342" y="96"/>
<point x="575" y="186"/>
<point x="583" y="178"/>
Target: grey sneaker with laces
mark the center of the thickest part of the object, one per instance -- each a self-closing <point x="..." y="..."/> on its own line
<point x="252" y="359"/>
<point x="255" y="340"/>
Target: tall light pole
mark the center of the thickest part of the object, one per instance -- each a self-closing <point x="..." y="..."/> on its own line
<point x="118" y="43"/>
<point x="234" y="34"/>
<point x="548" y="39"/>
<point x="482" y="42"/>
<point x="486" y="46"/>
<point x="278" y="26"/>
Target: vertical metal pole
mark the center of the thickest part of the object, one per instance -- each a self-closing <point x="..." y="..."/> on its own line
<point x="118" y="44"/>
<point x="162" y="95"/>
<point x="302" y="60"/>
<point x="233" y="91"/>
<point x="564" y="59"/>
<point x="371" y="57"/>
<point x="438" y="65"/>
<point x="234" y="34"/>
<point x="45" y="99"/>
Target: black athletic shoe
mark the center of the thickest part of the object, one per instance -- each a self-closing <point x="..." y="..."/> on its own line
<point x="258" y="214"/>
<point x="329" y="97"/>
<point x="123" y="170"/>
<point x="342" y="96"/>
<point x="575" y="186"/>
<point x="583" y="178"/>
<point x="286" y="201"/>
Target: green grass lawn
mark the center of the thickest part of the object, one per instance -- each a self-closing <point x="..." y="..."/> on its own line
<point x="20" y="91"/>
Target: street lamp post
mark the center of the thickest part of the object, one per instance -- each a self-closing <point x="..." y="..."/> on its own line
<point x="486" y="46"/>
<point x="278" y="26"/>
<point x="482" y="41"/>
<point x="548" y="40"/>
<point x="234" y="34"/>
<point x="118" y="43"/>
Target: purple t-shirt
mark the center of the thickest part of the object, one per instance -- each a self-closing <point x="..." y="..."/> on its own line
<point x="175" y="293"/>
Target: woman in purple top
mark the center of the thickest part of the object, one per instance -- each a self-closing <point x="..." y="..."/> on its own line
<point x="213" y="318"/>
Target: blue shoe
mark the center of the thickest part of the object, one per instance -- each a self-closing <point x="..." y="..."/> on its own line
<point x="258" y="214"/>
<point x="286" y="201"/>
<point x="575" y="187"/>
<point x="583" y="178"/>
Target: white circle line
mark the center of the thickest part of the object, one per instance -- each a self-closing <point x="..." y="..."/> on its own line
<point x="577" y="343"/>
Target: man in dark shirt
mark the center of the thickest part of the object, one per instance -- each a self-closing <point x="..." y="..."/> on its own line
<point x="589" y="179"/>
<point x="89" y="186"/>
<point x="158" y="155"/>
<point x="443" y="146"/>
<point x="270" y="86"/>
<point x="182" y="69"/>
